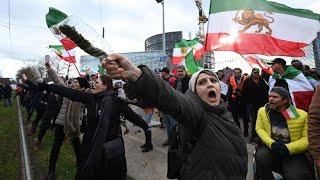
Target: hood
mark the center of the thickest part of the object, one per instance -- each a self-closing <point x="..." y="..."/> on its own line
<point x="194" y="78"/>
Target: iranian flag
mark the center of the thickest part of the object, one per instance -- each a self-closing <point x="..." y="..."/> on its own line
<point x="186" y="53"/>
<point x="300" y="89"/>
<point x="290" y="113"/>
<point x="260" y="27"/>
<point x="53" y="18"/>
<point x="60" y="51"/>
<point x="260" y="63"/>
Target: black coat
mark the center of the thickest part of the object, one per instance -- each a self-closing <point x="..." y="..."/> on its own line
<point x="93" y="103"/>
<point x="221" y="152"/>
<point x="255" y="94"/>
<point x="185" y="83"/>
<point x="7" y="91"/>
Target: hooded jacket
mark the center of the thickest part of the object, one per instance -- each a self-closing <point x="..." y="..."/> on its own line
<point x="220" y="152"/>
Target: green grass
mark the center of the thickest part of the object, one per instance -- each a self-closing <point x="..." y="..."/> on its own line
<point x="39" y="156"/>
<point x="9" y="143"/>
<point x="66" y="164"/>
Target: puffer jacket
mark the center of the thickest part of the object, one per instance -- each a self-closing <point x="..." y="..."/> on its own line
<point x="220" y="153"/>
<point x="297" y="130"/>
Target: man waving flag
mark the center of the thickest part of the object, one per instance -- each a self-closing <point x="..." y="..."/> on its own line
<point x="260" y="27"/>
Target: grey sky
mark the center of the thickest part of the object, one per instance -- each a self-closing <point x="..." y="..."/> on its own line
<point x="128" y="23"/>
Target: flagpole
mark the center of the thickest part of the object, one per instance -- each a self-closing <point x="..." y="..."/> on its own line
<point x="74" y="64"/>
<point x="68" y="69"/>
<point x="245" y="59"/>
<point x="77" y="69"/>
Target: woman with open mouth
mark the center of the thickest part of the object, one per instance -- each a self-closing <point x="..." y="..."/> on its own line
<point x="211" y="144"/>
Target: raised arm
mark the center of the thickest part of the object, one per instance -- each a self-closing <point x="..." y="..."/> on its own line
<point x="146" y="85"/>
<point x="52" y="73"/>
<point x="72" y="94"/>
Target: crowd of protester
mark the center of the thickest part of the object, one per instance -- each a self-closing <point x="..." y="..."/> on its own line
<point x="209" y="116"/>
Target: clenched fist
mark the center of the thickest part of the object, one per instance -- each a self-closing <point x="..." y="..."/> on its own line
<point x="120" y="67"/>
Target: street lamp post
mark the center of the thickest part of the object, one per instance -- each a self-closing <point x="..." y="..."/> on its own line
<point x="163" y="31"/>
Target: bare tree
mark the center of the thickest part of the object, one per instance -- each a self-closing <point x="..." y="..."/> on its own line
<point x="60" y="66"/>
<point x="25" y="70"/>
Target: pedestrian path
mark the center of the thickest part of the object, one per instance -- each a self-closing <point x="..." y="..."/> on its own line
<point x="153" y="165"/>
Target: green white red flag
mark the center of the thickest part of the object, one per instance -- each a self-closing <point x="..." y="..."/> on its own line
<point x="301" y="91"/>
<point x="290" y="113"/>
<point x="260" y="63"/>
<point x="186" y="53"/>
<point x="53" y="18"/>
<point x="60" y="51"/>
<point x="260" y="27"/>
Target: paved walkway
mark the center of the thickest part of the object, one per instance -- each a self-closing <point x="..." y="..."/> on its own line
<point x="153" y="165"/>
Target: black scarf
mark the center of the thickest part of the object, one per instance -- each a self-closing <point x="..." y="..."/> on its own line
<point x="92" y="165"/>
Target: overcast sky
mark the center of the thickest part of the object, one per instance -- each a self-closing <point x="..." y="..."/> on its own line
<point x="127" y="22"/>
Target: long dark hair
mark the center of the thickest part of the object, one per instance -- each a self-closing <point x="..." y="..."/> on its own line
<point x="106" y="81"/>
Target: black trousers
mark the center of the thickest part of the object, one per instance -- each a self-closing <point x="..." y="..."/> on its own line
<point x="58" y="140"/>
<point x="253" y="112"/>
<point x="46" y="122"/>
<point x="40" y="113"/>
<point x="238" y="110"/>
<point x="294" y="167"/>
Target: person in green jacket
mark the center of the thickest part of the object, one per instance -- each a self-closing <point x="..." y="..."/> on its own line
<point x="283" y="131"/>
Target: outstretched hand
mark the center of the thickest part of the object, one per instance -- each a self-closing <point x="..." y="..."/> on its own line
<point x="120" y="67"/>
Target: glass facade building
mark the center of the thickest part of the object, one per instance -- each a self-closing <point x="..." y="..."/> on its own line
<point x="155" y="42"/>
<point x="89" y="62"/>
<point x="152" y="59"/>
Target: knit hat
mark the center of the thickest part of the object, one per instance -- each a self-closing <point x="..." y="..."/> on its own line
<point x="194" y="78"/>
<point x="83" y="82"/>
<point x="284" y="93"/>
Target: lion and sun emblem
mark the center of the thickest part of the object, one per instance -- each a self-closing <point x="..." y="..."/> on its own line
<point x="249" y="19"/>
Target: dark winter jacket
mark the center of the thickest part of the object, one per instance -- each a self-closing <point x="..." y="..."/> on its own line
<point x="255" y="94"/>
<point x="35" y="96"/>
<point x="94" y="109"/>
<point x="7" y="91"/>
<point x="185" y="83"/>
<point x="220" y="153"/>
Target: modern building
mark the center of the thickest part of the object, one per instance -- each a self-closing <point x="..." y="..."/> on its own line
<point x="155" y="42"/>
<point x="155" y="60"/>
<point x="89" y="63"/>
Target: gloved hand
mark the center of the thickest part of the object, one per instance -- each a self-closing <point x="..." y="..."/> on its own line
<point x="280" y="149"/>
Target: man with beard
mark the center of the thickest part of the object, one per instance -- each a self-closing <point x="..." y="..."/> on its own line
<point x="287" y="76"/>
<point x="255" y="95"/>
<point x="283" y="131"/>
<point x="235" y="99"/>
<point x="183" y="79"/>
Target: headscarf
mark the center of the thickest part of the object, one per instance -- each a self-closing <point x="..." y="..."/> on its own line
<point x="194" y="78"/>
